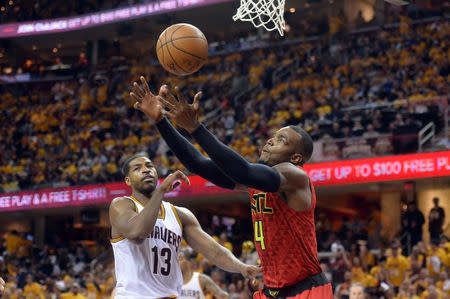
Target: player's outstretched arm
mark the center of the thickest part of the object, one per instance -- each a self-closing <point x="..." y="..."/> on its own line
<point x="210" y="287"/>
<point x="254" y="175"/>
<point x="191" y="158"/>
<point x="201" y="242"/>
<point x="133" y="225"/>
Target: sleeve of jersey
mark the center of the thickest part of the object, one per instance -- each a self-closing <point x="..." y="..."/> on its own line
<point x="191" y="158"/>
<point x="254" y="175"/>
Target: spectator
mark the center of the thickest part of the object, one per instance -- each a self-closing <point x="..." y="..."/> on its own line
<point x="343" y="289"/>
<point x="73" y="294"/>
<point x="357" y="291"/>
<point x="397" y="265"/>
<point x="13" y="241"/>
<point x="413" y="221"/>
<point x="33" y="289"/>
<point x="436" y="220"/>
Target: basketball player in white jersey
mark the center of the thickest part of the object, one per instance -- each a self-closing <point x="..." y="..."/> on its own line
<point x="195" y="284"/>
<point x="146" y="236"/>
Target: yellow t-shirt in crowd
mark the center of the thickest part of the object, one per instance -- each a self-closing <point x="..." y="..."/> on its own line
<point x="440" y="253"/>
<point x="12" y="243"/>
<point x="397" y="267"/>
<point x="33" y="291"/>
<point x="72" y="296"/>
<point x="426" y="294"/>
<point x="93" y="291"/>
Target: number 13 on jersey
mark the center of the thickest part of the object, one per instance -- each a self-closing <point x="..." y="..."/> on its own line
<point x="259" y="234"/>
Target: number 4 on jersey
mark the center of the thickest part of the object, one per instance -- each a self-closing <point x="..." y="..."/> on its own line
<point x="259" y="234"/>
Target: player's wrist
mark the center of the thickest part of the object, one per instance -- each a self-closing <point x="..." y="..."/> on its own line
<point x="242" y="268"/>
<point x="161" y="121"/>
<point x="159" y="117"/>
<point x="158" y="193"/>
<point x="196" y="129"/>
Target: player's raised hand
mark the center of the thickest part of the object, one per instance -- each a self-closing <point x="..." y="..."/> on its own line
<point x="173" y="181"/>
<point x="179" y="110"/>
<point x="146" y="101"/>
<point x="2" y="286"/>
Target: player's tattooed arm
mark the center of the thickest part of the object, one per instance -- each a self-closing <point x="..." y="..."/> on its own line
<point x="203" y="243"/>
<point x="137" y="226"/>
<point x="209" y="286"/>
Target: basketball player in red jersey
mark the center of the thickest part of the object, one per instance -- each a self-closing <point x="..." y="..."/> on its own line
<point x="282" y="195"/>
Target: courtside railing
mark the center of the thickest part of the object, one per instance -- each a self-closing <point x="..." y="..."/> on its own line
<point x="427" y="133"/>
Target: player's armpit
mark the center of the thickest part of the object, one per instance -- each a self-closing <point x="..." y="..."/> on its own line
<point x="209" y="286"/>
<point x="203" y="243"/>
<point x="295" y="184"/>
<point x="195" y="236"/>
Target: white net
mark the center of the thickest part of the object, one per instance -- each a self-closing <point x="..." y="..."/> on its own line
<point x="262" y="13"/>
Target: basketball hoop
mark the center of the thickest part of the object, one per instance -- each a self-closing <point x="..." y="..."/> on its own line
<point x="262" y="13"/>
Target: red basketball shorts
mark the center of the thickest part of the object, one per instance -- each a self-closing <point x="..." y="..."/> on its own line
<point x="320" y="292"/>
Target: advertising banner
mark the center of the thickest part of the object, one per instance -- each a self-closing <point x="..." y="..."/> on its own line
<point x="100" y="18"/>
<point x="379" y="169"/>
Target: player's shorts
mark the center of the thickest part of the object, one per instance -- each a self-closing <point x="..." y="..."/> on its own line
<point x="315" y="287"/>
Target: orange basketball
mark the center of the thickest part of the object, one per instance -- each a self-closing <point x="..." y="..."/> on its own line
<point x="182" y="49"/>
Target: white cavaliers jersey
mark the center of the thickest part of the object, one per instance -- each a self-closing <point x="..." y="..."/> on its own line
<point x="192" y="289"/>
<point x="150" y="269"/>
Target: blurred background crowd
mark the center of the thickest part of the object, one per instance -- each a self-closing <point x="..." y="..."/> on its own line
<point x="361" y="88"/>
<point x="350" y="252"/>
<point x="369" y="94"/>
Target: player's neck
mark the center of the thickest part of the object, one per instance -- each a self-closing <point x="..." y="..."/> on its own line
<point x="141" y="198"/>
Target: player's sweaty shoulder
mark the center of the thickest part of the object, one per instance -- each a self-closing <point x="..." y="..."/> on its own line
<point x="121" y="204"/>
<point x="291" y="175"/>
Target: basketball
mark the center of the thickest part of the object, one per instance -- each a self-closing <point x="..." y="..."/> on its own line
<point x="182" y="49"/>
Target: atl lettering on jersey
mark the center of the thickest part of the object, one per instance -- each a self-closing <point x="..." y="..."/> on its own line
<point x="284" y="238"/>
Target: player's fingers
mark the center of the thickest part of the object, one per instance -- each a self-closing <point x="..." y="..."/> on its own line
<point x="137" y="106"/>
<point x="168" y="104"/>
<point x="163" y="90"/>
<point x="170" y="97"/>
<point x="134" y="96"/>
<point x="138" y="90"/>
<point x="183" y="177"/>
<point x="145" y="85"/>
<point x="179" y="96"/>
<point x="2" y="285"/>
<point x="167" y="95"/>
<point x="169" y="114"/>
<point x="197" y="98"/>
<point x="252" y="284"/>
<point x="258" y="270"/>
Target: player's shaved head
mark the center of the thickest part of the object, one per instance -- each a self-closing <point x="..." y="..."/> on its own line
<point x="289" y="144"/>
<point x="306" y="145"/>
